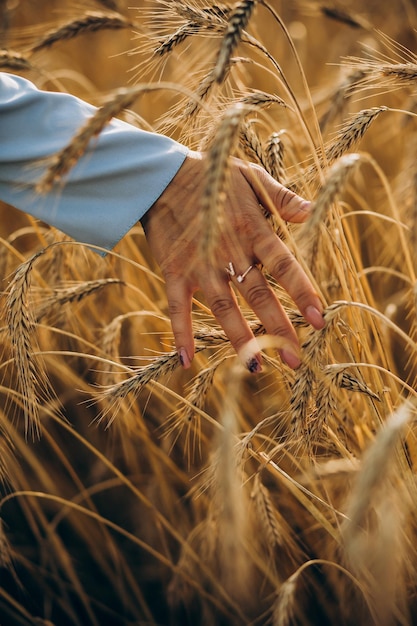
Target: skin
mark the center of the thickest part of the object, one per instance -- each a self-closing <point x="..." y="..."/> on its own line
<point x="174" y="232"/>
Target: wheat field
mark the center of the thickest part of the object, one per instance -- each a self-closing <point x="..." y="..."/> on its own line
<point x="135" y="493"/>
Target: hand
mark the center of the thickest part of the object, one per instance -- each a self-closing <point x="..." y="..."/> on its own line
<point x="173" y="231"/>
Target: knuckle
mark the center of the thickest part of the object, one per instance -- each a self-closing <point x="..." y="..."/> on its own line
<point x="169" y="271"/>
<point x="285" y="196"/>
<point x="258" y="296"/>
<point x="282" y="265"/>
<point x="222" y="306"/>
<point x="175" y="307"/>
<point x="281" y="331"/>
<point x="240" y="343"/>
<point x="243" y="223"/>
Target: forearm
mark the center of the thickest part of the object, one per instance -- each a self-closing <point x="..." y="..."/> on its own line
<point x="122" y="174"/>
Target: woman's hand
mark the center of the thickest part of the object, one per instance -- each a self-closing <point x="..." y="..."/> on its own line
<point x="173" y="231"/>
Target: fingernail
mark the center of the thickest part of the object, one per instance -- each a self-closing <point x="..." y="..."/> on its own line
<point x="184" y="358"/>
<point x="315" y="317"/>
<point x="254" y="365"/>
<point x="290" y="358"/>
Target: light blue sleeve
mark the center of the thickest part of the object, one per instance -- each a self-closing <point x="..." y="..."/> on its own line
<point x="111" y="187"/>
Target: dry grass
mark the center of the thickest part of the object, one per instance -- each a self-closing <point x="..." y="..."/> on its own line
<point x="159" y="496"/>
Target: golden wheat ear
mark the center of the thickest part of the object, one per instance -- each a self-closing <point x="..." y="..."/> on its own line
<point x="238" y="19"/>
<point x="32" y="379"/>
<point x="216" y="179"/>
<point x="91" y="22"/>
<point x="375" y="531"/>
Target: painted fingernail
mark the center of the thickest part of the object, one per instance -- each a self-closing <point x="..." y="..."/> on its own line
<point x="290" y="358"/>
<point x="184" y="358"/>
<point x="254" y="365"/>
<point x="306" y="206"/>
<point x="315" y="317"/>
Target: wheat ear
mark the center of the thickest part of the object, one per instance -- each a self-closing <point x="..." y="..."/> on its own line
<point x="198" y="21"/>
<point x="64" y="160"/>
<point x="374" y="536"/>
<point x="350" y="19"/>
<point x="60" y="164"/>
<point x="267" y="515"/>
<point x="238" y="18"/>
<point x="92" y="21"/>
<point x="217" y="169"/>
<point x="21" y="326"/>
<point x="283" y="612"/>
<point x="71" y="294"/>
<point x="304" y="386"/>
<point x="336" y="180"/>
<point x="274" y="151"/>
<point x="351" y="132"/>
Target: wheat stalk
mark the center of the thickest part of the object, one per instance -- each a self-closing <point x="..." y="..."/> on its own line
<point x="110" y="4"/>
<point x="341" y="96"/>
<point x="172" y="41"/>
<point x="6" y="558"/>
<point x="228" y="498"/>
<point x="140" y="377"/>
<point x="332" y="378"/>
<point x="205" y="89"/>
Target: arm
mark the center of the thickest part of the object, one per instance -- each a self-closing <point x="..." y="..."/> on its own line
<point x="125" y="173"/>
<point x="111" y="187"/>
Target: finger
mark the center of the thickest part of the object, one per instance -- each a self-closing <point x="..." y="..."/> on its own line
<point x="179" y="297"/>
<point x="223" y="304"/>
<point x="287" y="271"/>
<point x="263" y="301"/>
<point x="272" y="195"/>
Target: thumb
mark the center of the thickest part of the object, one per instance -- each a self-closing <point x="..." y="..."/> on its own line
<point x="274" y="196"/>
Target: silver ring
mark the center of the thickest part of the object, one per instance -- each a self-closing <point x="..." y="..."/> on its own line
<point x="239" y="277"/>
